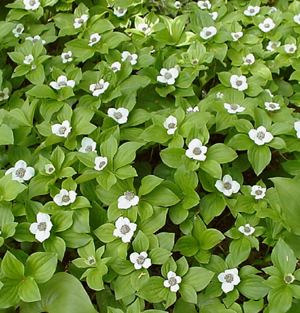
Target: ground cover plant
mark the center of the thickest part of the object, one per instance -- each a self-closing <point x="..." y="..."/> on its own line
<point x="149" y="156"/>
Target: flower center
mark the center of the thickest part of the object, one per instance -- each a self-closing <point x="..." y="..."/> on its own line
<point x="267" y="25"/>
<point x="239" y="83"/>
<point x="140" y="260"/>
<point x="227" y="185"/>
<point x="291" y="49"/>
<point x="234" y="106"/>
<point x="67" y="56"/>
<point x="20" y="172"/>
<point x="62" y="83"/>
<point x="99" y="86"/>
<point x="91" y="260"/>
<point x="88" y="148"/>
<point x="65" y="198"/>
<point x="289" y="278"/>
<point x="172" y="125"/>
<point x="42" y="226"/>
<point x="101" y="164"/>
<point x="251" y="10"/>
<point x="197" y="151"/>
<point x="172" y="281"/>
<point x="229" y="278"/>
<point x="124" y="229"/>
<point x="62" y="130"/>
<point x="168" y="75"/>
<point x="121" y="10"/>
<point x="118" y="115"/>
<point x="32" y="2"/>
<point x="129" y="195"/>
<point x="247" y="229"/>
<point x="19" y="29"/>
<point x="261" y="135"/>
<point x="208" y="33"/>
<point x="258" y="192"/>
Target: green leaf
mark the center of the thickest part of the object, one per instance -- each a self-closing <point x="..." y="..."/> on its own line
<point x="198" y="278"/>
<point x="9" y="189"/>
<point x="6" y="135"/>
<point x="154" y="291"/>
<point x="210" y="238"/>
<point x="29" y="290"/>
<point x="126" y="154"/>
<point x="187" y="245"/>
<point x="172" y="157"/>
<point x="148" y="183"/>
<point x="162" y="196"/>
<point x="11" y="267"/>
<point x="188" y="293"/>
<point x="221" y="153"/>
<point x="259" y="157"/>
<point x="212" y="205"/>
<point x="105" y="232"/>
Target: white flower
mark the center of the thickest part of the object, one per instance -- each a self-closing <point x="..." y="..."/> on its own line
<point x="208" y="32"/>
<point x="229" y="279"/>
<point x="249" y="59"/>
<point x="237" y="35"/>
<point x="66" y="57"/>
<point x="127" y="200"/>
<point x="260" y="135"/>
<point x="119" y="12"/>
<point x="192" y="109"/>
<point x="79" y="21"/>
<point x="35" y="39"/>
<point x="100" y="163"/>
<point x="219" y="95"/>
<point x="65" y="197"/>
<point x="31" y="4"/>
<point x="120" y="115"/>
<point x="177" y="4"/>
<point x="272" y="106"/>
<point x="168" y="76"/>
<point x="227" y="185"/>
<point x="41" y="229"/>
<point x="124" y="229"/>
<point x="99" y="88"/>
<point x="28" y="59"/>
<point x="49" y="168"/>
<point x="18" y="30"/>
<point x="4" y="94"/>
<point x="289" y="278"/>
<point x="61" y="130"/>
<point x="290" y="48"/>
<point x="252" y="10"/>
<point x="145" y="28"/>
<point x="297" y="128"/>
<point x="239" y="82"/>
<point x="116" y="66"/>
<point x="267" y="25"/>
<point x="297" y="19"/>
<point x="196" y="150"/>
<point x="247" y="229"/>
<point x="173" y="281"/>
<point x="21" y="172"/>
<point x="87" y="145"/>
<point x="272" y="10"/>
<point x="233" y="108"/>
<point x="61" y="82"/>
<point x="140" y="260"/>
<point x="258" y="192"/>
<point x="273" y="45"/>
<point x="94" y="39"/>
<point x="204" y="4"/>
<point x="170" y="124"/>
<point x="90" y="260"/>
<point x="131" y="57"/>
<point x="214" y="15"/>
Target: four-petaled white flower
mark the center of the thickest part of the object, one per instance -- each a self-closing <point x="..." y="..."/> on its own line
<point x="249" y="59"/>
<point x="100" y="163"/>
<point x="289" y="278"/>
<point x="31" y="4"/>
<point x="229" y="279"/>
<point x="297" y="19"/>
<point x="49" y="168"/>
<point x="246" y="229"/>
<point x="173" y="281"/>
<point x="119" y="12"/>
<point x="4" y="94"/>
<point x="120" y="115"/>
<point x="227" y="185"/>
<point x="272" y="106"/>
<point x="128" y="200"/>
<point x="21" y="172"/>
<point x="214" y="15"/>
<point x="65" y="197"/>
<point x="66" y="57"/>
<point x="28" y="59"/>
<point x="208" y="32"/>
<point x="297" y="128"/>
<point x="237" y="35"/>
<point x="18" y="30"/>
<point x="168" y="76"/>
<point x="260" y="136"/>
<point x="131" y="57"/>
<point x="204" y="4"/>
<point x="267" y="25"/>
<point x="35" y="39"/>
<point x="258" y="192"/>
<point x="273" y="45"/>
<point x="61" y="130"/>
<point x="192" y="109"/>
<point x="124" y="229"/>
<point x="252" y="10"/>
<point x="79" y="21"/>
<point x="94" y="39"/>
<point x="140" y="260"/>
<point x="196" y="150"/>
<point x="177" y="4"/>
<point x="99" y="88"/>
<point x="41" y="229"/>
<point x="116" y="67"/>
<point x="239" y="82"/>
<point x="233" y="108"/>
<point x="170" y="124"/>
<point x="290" y="48"/>
<point x="61" y="82"/>
<point x="87" y="145"/>
<point x="145" y="28"/>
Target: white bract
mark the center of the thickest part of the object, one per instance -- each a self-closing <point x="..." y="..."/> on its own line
<point x="252" y="10"/>
<point x="168" y="76"/>
<point x="116" y="67"/>
<point x="260" y="136"/>
<point x="233" y="108"/>
<point x="219" y="95"/>
<point x="31" y="4"/>
<point x="41" y="229"/>
<point x="229" y="279"/>
<point x="267" y="25"/>
<point x="297" y="128"/>
<point x="272" y="106"/>
<point x="249" y="59"/>
<point x="127" y="200"/>
<point x="99" y="88"/>
<point x="289" y="278"/>
<point x="21" y="172"/>
<point x="258" y="192"/>
<point x="61" y="82"/>
<point x="173" y="281"/>
<point x="94" y="39"/>
<point x="170" y="124"/>
<point x="120" y="115"/>
<point x="131" y="57"/>
<point x="290" y="48"/>
<point x="205" y="4"/>
<point x="140" y="260"/>
<point x="49" y="168"/>
<point x="208" y="32"/>
<point x="247" y="230"/>
<point x="145" y="28"/>
<point x="100" y="163"/>
<point x="28" y="59"/>
<point x="87" y="145"/>
<point x="177" y="4"/>
<point x="79" y="21"/>
<point x="239" y="82"/>
<point x="124" y="229"/>
<point x="4" y="94"/>
<point x="35" y="39"/>
<point x="196" y="150"/>
<point x="66" y="57"/>
<point x="65" y="197"/>
<point x="273" y="45"/>
<point x="227" y="185"/>
<point x="18" y="30"/>
<point x="192" y="109"/>
<point x="119" y="12"/>
<point x="214" y="15"/>
<point x="296" y="19"/>
<point x="237" y="35"/>
<point x="61" y="130"/>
